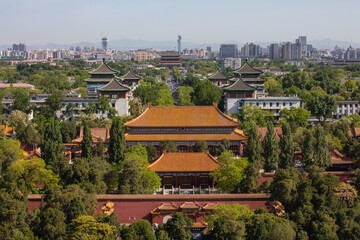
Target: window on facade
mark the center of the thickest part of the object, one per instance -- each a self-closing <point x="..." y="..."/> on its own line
<point x="240" y="104"/>
<point x="232" y="95"/>
<point x="264" y="104"/>
<point x="277" y="104"/>
<point x="284" y="104"/>
<point x="290" y="104"/>
<point x="257" y="104"/>
<point x="271" y="104"/>
<point x="113" y="105"/>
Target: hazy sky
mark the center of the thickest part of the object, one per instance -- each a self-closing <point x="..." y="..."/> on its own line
<point x="71" y="21"/>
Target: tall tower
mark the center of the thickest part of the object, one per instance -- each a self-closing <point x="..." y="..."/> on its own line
<point x="104" y="43"/>
<point x="179" y="43"/>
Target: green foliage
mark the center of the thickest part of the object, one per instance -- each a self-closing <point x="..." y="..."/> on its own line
<point x="52" y="150"/>
<point x="267" y="226"/>
<point x="141" y="230"/>
<point x="205" y="94"/>
<point x="9" y="152"/>
<point x="136" y="107"/>
<point x="21" y="100"/>
<point x="117" y="141"/>
<point x="135" y="177"/>
<point x="184" y="94"/>
<point x="322" y="107"/>
<point x="229" y="172"/>
<point x="177" y="227"/>
<point x="13" y="207"/>
<point x="86" y="144"/>
<point x="255" y="114"/>
<point x="152" y="152"/>
<point x="32" y="174"/>
<point x="286" y="156"/>
<point x="307" y="150"/>
<point x="157" y="93"/>
<point x="298" y="116"/>
<point x="273" y="87"/>
<point x="191" y="81"/>
<point x="168" y="146"/>
<point x="321" y="152"/>
<point x="200" y="146"/>
<point x="50" y="224"/>
<point x="270" y="155"/>
<point x="99" y="149"/>
<point x="31" y="137"/>
<point x="252" y="150"/>
<point x="90" y="174"/>
<point x="86" y="227"/>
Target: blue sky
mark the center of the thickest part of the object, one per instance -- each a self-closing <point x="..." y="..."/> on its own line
<point x="70" y="21"/>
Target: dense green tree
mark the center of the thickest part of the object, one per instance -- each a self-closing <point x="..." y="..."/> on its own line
<point x="287" y="149"/>
<point x="200" y="146"/>
<point x="53" y="101"/>
<point x="135" y="178"/>
<point x="142" y="230"/>
<point x="152" y="152"/>
<point x="52" y="150"/>
<point x="321" y="151"/>
<point x="184" y="96"/>
<point x="177" y="227"/>
<point x="99" y="149"/>
<point x="76" y="208"/>
<point x="13" y="208"/>
<point x="168" y="146"/>
<point x="191" y="81"/>
<point x="252" y="150"/>
<point x="68" y="131"/>
<point x="298" y="116"/>
<point x="252" y="113"/>
<point x="270" y="155"/>
<point x="87" y="142"/>
<point x="250" y="183"/>
<point x="322" y="106"/>
<point x="117" y="141"/>
<point x="136" y="107"/>
<point x="50" y="224"/>
<point x="86" y="227"/>
<point x="21" y="100"/>
<point x="229" y="172"/>
<point x="205" y="94"/>
<point x="31" y="137"/>
<point x="273" y="87"/>
<point x="268" y="226"/>
<point x="32" y="174"/>
<point x="307" y="149"/>
<point x="9" y="152"/>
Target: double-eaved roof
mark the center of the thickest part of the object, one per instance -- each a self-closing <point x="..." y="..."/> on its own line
<point x="182" y="116"/>
<point x="239" y="85"/>
<point x="130" y="76"/>
<point x="184" y="162"/>
<point x="113" y="86"/>
<point x="217" y="76"/>
<point x="247" y="69"/>
<point x="104" y="69"/>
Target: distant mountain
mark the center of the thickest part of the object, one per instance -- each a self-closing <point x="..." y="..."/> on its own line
<point x="127" y="44"/>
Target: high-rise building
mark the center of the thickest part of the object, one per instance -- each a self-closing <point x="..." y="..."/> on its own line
<point x="274" y="51"/>
<point x="234" y="63"/>
<point x="229" y="51"/>
<point x="15" y="47"/>
<point x="296" y="51"/>
<point x="251" y="50"/>
<point x="22" y="47"/>
<point x="105" y="43"/>
<point x="286" y="50"/>
<point x="303" y="46"/>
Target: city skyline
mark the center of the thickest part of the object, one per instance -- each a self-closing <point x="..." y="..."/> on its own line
<point x="67" y="22"/>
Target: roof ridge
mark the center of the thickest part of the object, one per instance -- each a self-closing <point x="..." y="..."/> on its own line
<point x="233" y="84"/>
<point x="104" y="63"/>
<point x="135" y="118"/>
<point x="112" y="80"/>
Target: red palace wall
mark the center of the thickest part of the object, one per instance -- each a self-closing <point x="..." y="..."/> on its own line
<point x="130" y="208"/>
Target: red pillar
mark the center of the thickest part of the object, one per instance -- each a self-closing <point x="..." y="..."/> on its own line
<point x="241" y="149"/>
